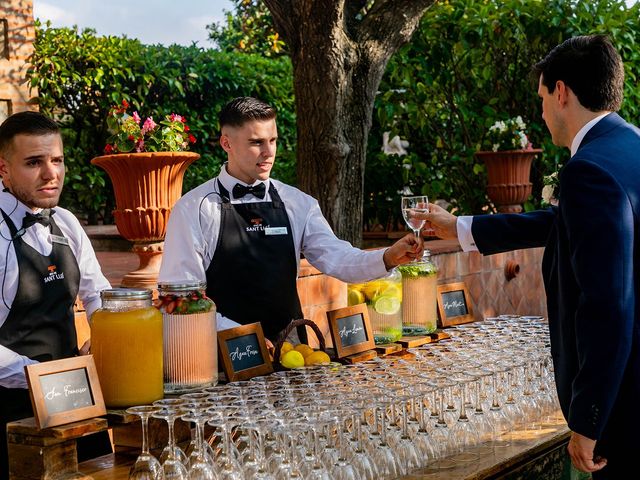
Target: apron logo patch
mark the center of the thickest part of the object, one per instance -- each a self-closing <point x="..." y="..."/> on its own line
<point x="256" y="225"/>
<point x="53" y="275"/>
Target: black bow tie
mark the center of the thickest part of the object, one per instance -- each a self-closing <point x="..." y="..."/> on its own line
<point x="258" y="190"/>
<point x="43" y="218"/>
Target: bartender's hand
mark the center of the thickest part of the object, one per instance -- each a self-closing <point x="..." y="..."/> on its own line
<point x="440" y="223"/>
<point x="405" y="250"/>
<point x="581" y="452"/>
<point x="86" y="348"/>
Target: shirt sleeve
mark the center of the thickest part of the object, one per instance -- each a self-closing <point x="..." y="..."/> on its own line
<point x="184" y="256"/>
<point x="92" y="281"/>
<point x="12" y="368"/>
<point x="465" y="237"/>
<point x="336" y="257"/>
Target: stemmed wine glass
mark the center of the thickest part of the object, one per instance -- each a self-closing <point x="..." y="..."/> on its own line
<point x="146" y="466"/>
<point x="411" y="206"/>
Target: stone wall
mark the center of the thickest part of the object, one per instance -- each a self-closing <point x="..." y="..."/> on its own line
<point x="19" y="35"/>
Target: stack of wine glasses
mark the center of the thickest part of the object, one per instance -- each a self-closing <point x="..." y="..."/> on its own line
<point x="446" y="404"/>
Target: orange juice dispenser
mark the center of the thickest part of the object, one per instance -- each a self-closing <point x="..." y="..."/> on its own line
<point x="126" y="343"/>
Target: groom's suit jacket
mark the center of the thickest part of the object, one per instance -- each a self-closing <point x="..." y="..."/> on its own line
<point x="591" y="270"/>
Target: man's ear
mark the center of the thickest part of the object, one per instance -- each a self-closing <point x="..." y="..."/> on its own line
<point x="3" y="167"/>
<point x="561" y="93"/>
<point x="224" y="142"/>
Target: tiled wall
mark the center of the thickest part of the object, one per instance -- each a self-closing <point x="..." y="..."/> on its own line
<point x="490" y="291"/>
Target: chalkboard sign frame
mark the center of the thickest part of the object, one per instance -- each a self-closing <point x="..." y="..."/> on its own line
<point x="443" y="290"/>
<point x="44" y="418"/>
<point x="225" y="355"/>
<point x="333" y="316"/>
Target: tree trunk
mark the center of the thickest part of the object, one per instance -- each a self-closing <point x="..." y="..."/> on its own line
<point x="339" y="52"/>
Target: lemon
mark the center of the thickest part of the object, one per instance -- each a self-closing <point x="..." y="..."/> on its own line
<point x="354" y="297"/>
<point x="304" y="349"/>
<point x="372" y="289"/>
<point x="286" y="347"/>
<point x="393" y="291"/>
<point x="317" y="358"/>
<point x="292" y="359"/>
<point x="387" y="305"/>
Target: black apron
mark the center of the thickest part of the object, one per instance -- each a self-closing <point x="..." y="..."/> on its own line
<point x="41" y="322"/>
<point x="253" y="273"/>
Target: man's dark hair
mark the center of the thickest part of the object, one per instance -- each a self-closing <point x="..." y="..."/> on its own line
<point x="244" y="109"/>
<point x="590" y="66"/>
<point x="25" y="123"/>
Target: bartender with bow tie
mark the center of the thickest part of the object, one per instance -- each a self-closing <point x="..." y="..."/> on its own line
<point x="46" y="261"/>
<point x="243" y="232"/>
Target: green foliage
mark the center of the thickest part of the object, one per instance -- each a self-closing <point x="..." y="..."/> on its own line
<point x="80" y="76"/>
<point x="248" y="29"/>
<point x="467" y="67"/>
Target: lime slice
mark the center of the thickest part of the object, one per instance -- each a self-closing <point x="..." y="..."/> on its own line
<point x="354" y="297"/>
<point x="387" y="305"/>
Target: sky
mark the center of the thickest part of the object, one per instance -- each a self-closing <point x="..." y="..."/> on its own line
<point x="150" y="21"/>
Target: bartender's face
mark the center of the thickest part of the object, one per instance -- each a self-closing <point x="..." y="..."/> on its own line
<point x="251" y="149"/>
<point x="32" y="167"/>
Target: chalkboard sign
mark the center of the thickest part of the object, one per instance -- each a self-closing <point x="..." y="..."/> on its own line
<point x="243" y="352"/>
<point x="454" y="305"/>
<point x="350" y="330"/>
<point x="65" y="391"/>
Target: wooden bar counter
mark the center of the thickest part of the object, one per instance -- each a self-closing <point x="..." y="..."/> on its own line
<point x="537" y="451"/>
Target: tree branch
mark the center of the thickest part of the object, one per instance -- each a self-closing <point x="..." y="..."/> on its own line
<point x="351" y="10"/>
<point x="283" y="18"/>
<point x="392" y="22"/>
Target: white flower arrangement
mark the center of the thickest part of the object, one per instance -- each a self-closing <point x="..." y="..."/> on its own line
<point x="508" y="135"/>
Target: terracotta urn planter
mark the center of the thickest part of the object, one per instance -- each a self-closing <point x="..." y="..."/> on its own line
<point x="508" y="172"/>
<point x="146" y="186"/>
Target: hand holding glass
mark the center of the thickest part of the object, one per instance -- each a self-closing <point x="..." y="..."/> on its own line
<point x="412" y="205"/>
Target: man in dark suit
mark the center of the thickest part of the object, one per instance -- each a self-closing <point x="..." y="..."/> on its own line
<point x="591" y="264"/>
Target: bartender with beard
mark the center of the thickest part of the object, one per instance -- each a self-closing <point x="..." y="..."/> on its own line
<point x="46" y="261"/>
<point x="243" y="232"/>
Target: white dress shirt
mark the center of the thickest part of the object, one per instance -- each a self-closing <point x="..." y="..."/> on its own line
<point x="194" y="226"/>
<point x="464" y="223"/>
<point x="92" y="281"/>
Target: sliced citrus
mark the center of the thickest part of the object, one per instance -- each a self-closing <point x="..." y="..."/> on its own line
<point x="354" y="297"/>
<point x="393" y="290"/>
<point x="372" y="289"/>
<point x="387" y="305"/>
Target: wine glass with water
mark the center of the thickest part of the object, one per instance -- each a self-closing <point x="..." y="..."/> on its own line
<point x="411" y="206"/>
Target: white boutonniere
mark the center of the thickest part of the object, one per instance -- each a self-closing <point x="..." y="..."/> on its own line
<point x="550" y="189"/>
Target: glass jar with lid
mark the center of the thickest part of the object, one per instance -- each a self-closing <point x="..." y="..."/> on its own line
<point x="420" y="290"/>
<point x="190" y="337"/>
<point x="384" y="304"/>
<point x="126" y="343"/>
